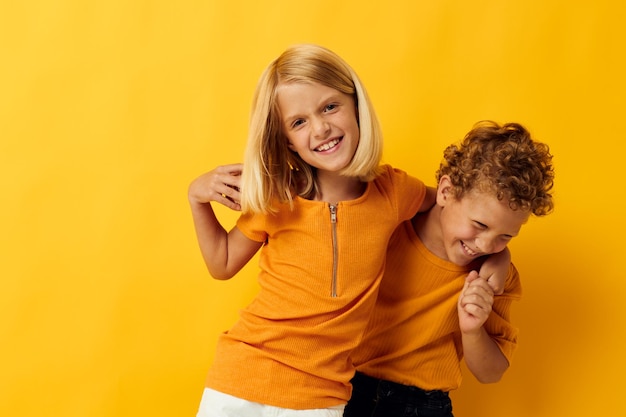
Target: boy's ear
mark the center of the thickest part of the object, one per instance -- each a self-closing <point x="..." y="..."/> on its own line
<point x="444" y="190"/>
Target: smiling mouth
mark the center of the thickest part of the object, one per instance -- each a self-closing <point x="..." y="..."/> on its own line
<point x="328" y="145"/>
<point x="468" y="250"/>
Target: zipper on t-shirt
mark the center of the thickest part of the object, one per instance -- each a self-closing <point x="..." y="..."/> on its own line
<point x="333" y="225"/>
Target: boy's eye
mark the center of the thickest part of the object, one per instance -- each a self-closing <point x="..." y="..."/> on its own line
<point x="480" y="225"/>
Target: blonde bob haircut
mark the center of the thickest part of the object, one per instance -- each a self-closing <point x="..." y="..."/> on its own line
<point x="272" y="172"/>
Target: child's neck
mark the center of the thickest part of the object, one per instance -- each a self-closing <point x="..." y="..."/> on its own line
<point x="428" y="227"/>
<point x="335" y="188"/>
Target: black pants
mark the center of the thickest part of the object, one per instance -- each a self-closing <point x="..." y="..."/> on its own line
<point x="372" y="397"/>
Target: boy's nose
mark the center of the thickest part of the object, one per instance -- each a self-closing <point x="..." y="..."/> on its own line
<point x="486" y="245"/>
<point x="491" y="245"/>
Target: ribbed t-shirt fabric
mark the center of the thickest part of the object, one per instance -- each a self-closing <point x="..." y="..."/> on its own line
<point x="290" y="347"/>
<point x="413" y="336"/>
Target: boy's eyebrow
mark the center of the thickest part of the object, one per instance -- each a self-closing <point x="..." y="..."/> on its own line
<point x="514" y="234"/>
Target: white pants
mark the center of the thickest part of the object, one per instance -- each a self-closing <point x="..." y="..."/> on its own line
<point x="218" y="404"/>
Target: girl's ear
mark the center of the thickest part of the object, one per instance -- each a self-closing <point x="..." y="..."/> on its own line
<point x="444" y="190"/>
<point x="287" y="141"/>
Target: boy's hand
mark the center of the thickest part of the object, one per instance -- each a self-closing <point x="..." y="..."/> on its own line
<point x="220" y="185"/>
<point x="475" y="302"/>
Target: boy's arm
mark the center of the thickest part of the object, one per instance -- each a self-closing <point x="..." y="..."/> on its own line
<point x="482" y="355"/>
<point x="224" y="253"/>
<point x="495" y="270"/>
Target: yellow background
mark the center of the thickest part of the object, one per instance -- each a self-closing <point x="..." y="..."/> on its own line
<point x="108" y="109"/>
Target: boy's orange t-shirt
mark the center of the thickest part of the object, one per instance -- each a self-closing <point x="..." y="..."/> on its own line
<point x="413" y="337"/>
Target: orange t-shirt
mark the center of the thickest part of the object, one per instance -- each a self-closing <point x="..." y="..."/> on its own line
<point x="319" y="277"/>
<point x="413" y="337"/>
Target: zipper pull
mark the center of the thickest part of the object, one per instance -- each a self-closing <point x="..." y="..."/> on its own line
<point x="333" y="224"/>
<point x="333" y="213"/>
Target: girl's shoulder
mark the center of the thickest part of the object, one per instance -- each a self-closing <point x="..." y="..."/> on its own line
<point x="387" y="173"/>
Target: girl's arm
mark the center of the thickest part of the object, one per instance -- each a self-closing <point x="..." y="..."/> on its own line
<point x="483" y="357"/>
<point x="224" y="253"/>
<point x="495" y="269"/>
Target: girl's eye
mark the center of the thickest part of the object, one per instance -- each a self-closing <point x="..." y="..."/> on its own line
<point x="330" y="107"/>
<point x="297" y="123"/>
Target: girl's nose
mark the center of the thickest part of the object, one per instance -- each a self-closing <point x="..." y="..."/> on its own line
<point x="320" y="127"/>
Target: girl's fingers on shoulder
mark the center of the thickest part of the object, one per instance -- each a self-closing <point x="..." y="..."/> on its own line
<point x="230" y="203"/>
<point x="231" y="168"/>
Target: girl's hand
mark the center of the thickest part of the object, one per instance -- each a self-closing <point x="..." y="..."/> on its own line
<point x="220" y="185"/>
<point x="475" y="303"/>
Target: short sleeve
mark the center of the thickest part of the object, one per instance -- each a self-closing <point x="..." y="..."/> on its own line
<point x="409" y="192"/>
<point x="499" y="325"/>
<point x="253" y="226"/>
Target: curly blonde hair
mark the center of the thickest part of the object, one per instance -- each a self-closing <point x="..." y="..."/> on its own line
<point x="274" y="173"/>
<point x="504" y="160"/>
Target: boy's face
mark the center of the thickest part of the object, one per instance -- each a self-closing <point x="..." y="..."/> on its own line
<point x="475" y="225"/>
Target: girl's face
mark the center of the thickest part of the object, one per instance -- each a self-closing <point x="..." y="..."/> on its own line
<point x="320" y="124"/>
<point x="475" y="225"/>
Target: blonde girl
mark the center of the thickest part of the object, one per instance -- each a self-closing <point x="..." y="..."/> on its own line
<point x="319" y="205"/>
